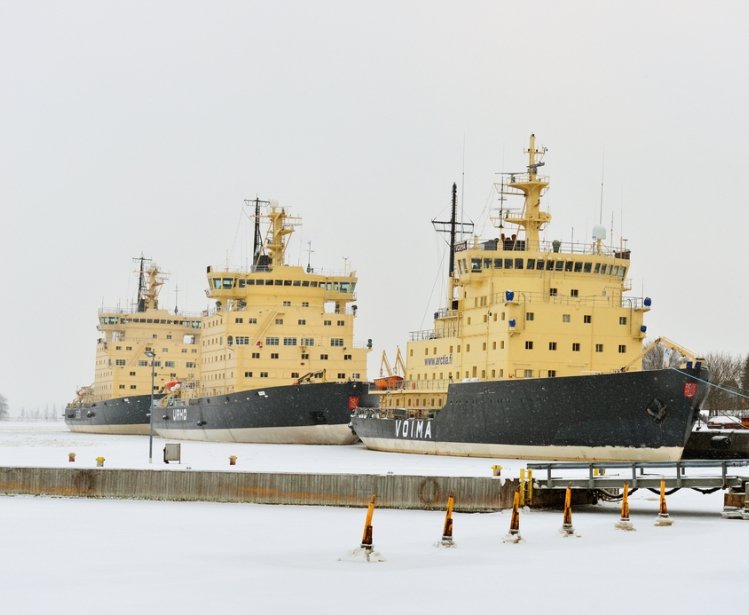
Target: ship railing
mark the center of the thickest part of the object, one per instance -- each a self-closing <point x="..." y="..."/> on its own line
<point x="134" y="310"/>
<point x="590" y="300"/>
<point x="510" y="242"/>
<point x="445" y="313"/>
<point x="420" y="385"/>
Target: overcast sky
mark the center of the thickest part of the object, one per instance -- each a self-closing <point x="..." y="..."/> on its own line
<point x="129" y="127"/>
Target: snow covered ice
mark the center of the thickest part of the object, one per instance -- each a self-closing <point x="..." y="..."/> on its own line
<point x="86" y="556"/>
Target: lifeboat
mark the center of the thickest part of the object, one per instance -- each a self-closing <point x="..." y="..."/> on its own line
<point x="387" y="382"/>
<point x="172" y="385"/>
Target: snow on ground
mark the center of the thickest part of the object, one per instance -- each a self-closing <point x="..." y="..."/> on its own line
<point x="81" y="556"/>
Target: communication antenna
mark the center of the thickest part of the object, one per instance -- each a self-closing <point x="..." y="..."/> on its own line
<point x="309" y="256"/>
<point x="141" y="300"/>
<point x="176" y="298"/>
<point x="257" y="244"/>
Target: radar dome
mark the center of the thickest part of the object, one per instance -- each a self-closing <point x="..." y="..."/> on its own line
<point x="599" y="232"/>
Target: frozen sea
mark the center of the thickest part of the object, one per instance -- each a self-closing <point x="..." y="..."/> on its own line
<point x="97" y="556"/>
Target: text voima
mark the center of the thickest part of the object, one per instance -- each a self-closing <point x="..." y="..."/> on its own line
<point x="413" y="428"/>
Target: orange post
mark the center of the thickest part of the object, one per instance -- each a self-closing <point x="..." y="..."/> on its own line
<point x="514" y="534"/>
<point x="624" y="523"/>
<point x="366" y="541"/>
<point x="447" y="529"/>
<point x="663" y="517"/>
<point x="567" y="529"/>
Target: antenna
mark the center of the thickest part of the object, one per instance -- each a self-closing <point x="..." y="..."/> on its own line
<point x="141" y="299"/>
<point x="176" y="298"/>
<point x="309" y="256"/>
<point x="462" y="190"/>
<point x="600" y="207"/>
<point x="451" y="226"/>
<point x="257" y="245"/>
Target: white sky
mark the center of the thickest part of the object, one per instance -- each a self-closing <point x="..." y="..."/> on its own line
<point x="140" y="127"/>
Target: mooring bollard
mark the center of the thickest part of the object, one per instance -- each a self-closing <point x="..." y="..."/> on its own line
<point x="447" y="529"/>
<point x="663" y="517"/>
<point x="514" y="534"/>
<point x="100" y="462"/>
<point x="71" y="457"/>
<point x="232" y="460"/>
<point x="567" y="529"/>
<point x="624" y="523"/>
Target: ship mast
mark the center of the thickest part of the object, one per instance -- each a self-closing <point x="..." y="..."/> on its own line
<point x="532" y="219"/>
<point x="257" y="246"/>
<point x="279" y="230"/>
<point x="441" y="226"/>
<point x="141" y="302"/>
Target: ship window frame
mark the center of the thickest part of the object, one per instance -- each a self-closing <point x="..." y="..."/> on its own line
<point x="531" y="264"/>
<point x="519" y="262"/>
<point x="578" y="267"/>
<point x="497" y="263"/>
<point x="552" y="346"/>
<point x="622" y="349"/>
<point x="487" y="263"/>
<point x="568" y="265"/>
<point x="575" y="346"/>
<point x="587" y="267"/>
<point x="508" y="263"/>
<point x="597" y="268"/>
<point x="475" y="265"/>
<point x="559" y="265"/>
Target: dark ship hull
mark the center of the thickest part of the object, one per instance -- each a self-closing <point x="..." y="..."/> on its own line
<point x="717" y="444"/>
<point x="122" y="416"/>
<point x="317" y="413"/>
<point x="631" y="416"/>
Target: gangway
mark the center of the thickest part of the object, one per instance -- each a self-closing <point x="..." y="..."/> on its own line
<point x="638" y="474"/>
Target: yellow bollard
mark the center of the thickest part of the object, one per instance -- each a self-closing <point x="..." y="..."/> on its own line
<point x="100" y="462"/>
<point x="366" y="541"/>
<point x="522" y="487"/>
<point x="514" y="534"/>
<point x="232" y="460"/>
<point x="447" y="529"/>
<point x="567" y="529"/>
<point x="624" y="523"/>
<point x="71" y="457"/>
<point x="663" y="519"/>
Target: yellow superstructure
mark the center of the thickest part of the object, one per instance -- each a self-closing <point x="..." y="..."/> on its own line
<point x="278" y="324"/>
<point x="522" y="307"/>
<point x="122" y="367"/>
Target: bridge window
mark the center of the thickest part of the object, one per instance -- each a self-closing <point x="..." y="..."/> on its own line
<point x="587" y="267"/>
<point x="622" y="349"/>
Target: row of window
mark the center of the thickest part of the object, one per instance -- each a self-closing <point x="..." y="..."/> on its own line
<point x="569" y="266"/>
<point x="622" y="348"/>
<point x="156" y="363"/>
<point x="340" y="376"/>
<point x="279" y="321"/>
<point x="228" y="283"/>
<point x="117" y="320"/>
<point x="587" y="318"/>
